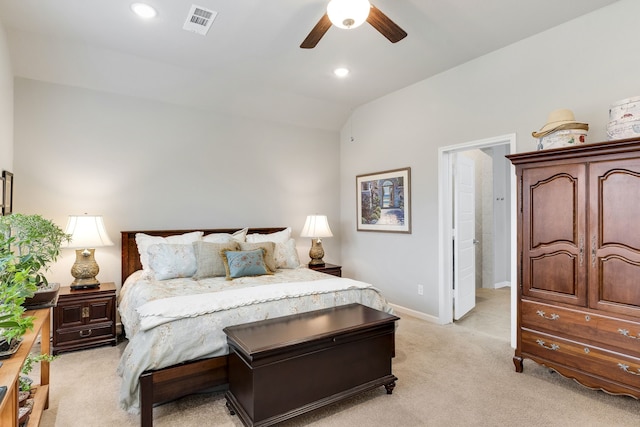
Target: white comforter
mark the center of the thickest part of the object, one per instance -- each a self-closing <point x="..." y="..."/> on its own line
<point x="177" y="320"/>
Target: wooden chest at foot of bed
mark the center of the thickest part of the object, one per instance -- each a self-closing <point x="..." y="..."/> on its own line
<point x="283" y="367"/>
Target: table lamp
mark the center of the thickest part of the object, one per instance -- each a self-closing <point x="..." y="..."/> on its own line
<point x="316" y="227"/>
<point x="87" y="233"/>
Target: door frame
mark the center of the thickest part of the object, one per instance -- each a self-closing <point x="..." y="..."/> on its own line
<point x="445" y="226"/>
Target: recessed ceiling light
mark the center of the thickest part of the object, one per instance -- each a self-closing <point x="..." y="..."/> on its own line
<point x="143" y="10"/>
<point x="341" y="72"/>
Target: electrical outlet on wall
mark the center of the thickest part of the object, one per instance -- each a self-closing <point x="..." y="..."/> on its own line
<point x="420" y="290"/>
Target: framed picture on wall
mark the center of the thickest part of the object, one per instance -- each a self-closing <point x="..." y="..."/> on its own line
<point x="7" y="192"/>
<point x="384" y="201"/>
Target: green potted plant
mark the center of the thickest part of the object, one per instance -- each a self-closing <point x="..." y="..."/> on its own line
<point x="28" y="245"/>
<point x="26" y="392"/>
<point x="27" y="367"/>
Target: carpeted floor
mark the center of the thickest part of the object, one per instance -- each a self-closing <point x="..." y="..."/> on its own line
<point x="451" y="375"/>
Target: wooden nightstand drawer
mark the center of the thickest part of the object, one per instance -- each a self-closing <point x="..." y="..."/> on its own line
<point x="82" y="336"/>
<point x="334" y="270"/>
<point x="84" y="318"/>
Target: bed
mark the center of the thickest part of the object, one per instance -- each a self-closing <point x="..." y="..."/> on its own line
<point x="174" y="325"/>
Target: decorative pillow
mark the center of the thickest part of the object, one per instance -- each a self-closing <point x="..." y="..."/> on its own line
<point x="168" y="261"/>
<point x="209" y="261"/>
<point x="244" y="263"/>
<point x="238" y="236"/>
<point x="277" y="237"/>
<point x="269" y="252"/>
<point x="286" y="255"/>
<point x="143" y="241"/>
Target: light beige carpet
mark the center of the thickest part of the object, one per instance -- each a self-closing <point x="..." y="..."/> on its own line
<point x="448" y="376"/>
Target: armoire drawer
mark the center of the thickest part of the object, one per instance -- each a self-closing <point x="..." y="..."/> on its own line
<point x="592" y="360"/>
<point x="593" y="328"/>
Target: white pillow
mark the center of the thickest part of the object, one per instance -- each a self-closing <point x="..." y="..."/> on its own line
<point x="143" y="241"/>
<point x="277" y="237"/>
<point x="238" y="236"/>
<point x="286" y="255"/>
<point x="168" y="261"/>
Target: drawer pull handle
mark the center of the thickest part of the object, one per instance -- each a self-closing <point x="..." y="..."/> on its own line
<point x="86" y="333"/>
<point x="593" y="251"/>
<point x="586" y="350"/>
<point x="587" y="317"/>
<point x="553" y="316"/>
<point x="626" y="369"/>
<point x="554" y="347"/>
<point x="625" y="332"/>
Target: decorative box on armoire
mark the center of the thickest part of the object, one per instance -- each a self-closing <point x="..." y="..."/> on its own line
<point x="579" y="263"/>
<point x="84" y="318"/>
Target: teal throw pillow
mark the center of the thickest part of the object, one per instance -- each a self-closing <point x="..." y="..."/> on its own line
<point x="244" y="263"/>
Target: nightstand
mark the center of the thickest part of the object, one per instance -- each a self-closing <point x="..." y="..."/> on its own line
<point x="333" y="269"/>
<point x="84" y="318"/>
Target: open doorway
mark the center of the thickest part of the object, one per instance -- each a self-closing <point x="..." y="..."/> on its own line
<point x="496" y="226"/>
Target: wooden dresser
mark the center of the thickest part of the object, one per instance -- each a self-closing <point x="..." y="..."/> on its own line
<point x="579" y="263"/>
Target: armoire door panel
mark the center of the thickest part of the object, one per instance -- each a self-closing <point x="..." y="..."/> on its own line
<point x="615" y="236"/>
<point x="619" y="281"/>
<point x="556" y="272"/>
<point x="554" y="198"/>
<point x="553" y="235"/>
<point x="619" y="198"/>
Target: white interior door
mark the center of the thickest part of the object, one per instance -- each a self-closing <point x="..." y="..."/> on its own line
<point x="464" y="222"/>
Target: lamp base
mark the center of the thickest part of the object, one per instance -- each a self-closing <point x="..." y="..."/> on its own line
<point x="85" y="270"/>
<point x="316" y="253"/>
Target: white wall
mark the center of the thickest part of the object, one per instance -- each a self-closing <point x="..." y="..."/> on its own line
<point x="6" y="105"/>
<point x="584" y="65"/>
<point x="148" y="165"/>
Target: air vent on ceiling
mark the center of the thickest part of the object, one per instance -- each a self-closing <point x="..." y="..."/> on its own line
<point x="199" y="20"/>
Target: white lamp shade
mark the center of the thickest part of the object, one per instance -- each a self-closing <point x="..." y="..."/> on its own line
<point x="87" y="231"/>
<point x="316" y="226"/>
<point x="348" y="13"/>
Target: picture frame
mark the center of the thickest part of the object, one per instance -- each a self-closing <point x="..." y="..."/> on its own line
<point x="7" y="193"/>
<point x="384" y="201"/>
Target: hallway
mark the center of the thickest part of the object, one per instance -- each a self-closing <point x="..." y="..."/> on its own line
<point x="492" y="314"/>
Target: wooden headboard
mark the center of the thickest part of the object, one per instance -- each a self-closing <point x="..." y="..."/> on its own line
<point x="131" y="257"/>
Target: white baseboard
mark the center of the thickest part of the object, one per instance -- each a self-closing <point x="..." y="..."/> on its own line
<point x="413" y="313"/>
<point x="499" y="285"/>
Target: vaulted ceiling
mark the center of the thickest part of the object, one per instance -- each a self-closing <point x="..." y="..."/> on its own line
<point x="250" y="62"/>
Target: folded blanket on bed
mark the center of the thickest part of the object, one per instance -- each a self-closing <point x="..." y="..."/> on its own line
<point x="165" y="310"/>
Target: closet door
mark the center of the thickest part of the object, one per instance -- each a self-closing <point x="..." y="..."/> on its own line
<point x="614" y="246"/>
<point x="554" y="233"/>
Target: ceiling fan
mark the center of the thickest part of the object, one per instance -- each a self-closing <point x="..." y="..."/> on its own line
<point x="350" y="14"/>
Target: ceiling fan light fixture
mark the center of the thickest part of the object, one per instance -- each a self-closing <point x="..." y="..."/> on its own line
<point x="348" y="13"/>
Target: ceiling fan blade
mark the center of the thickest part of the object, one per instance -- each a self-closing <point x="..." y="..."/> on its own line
<point x="385" y="26"/>
<point x="316" y="33"/>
